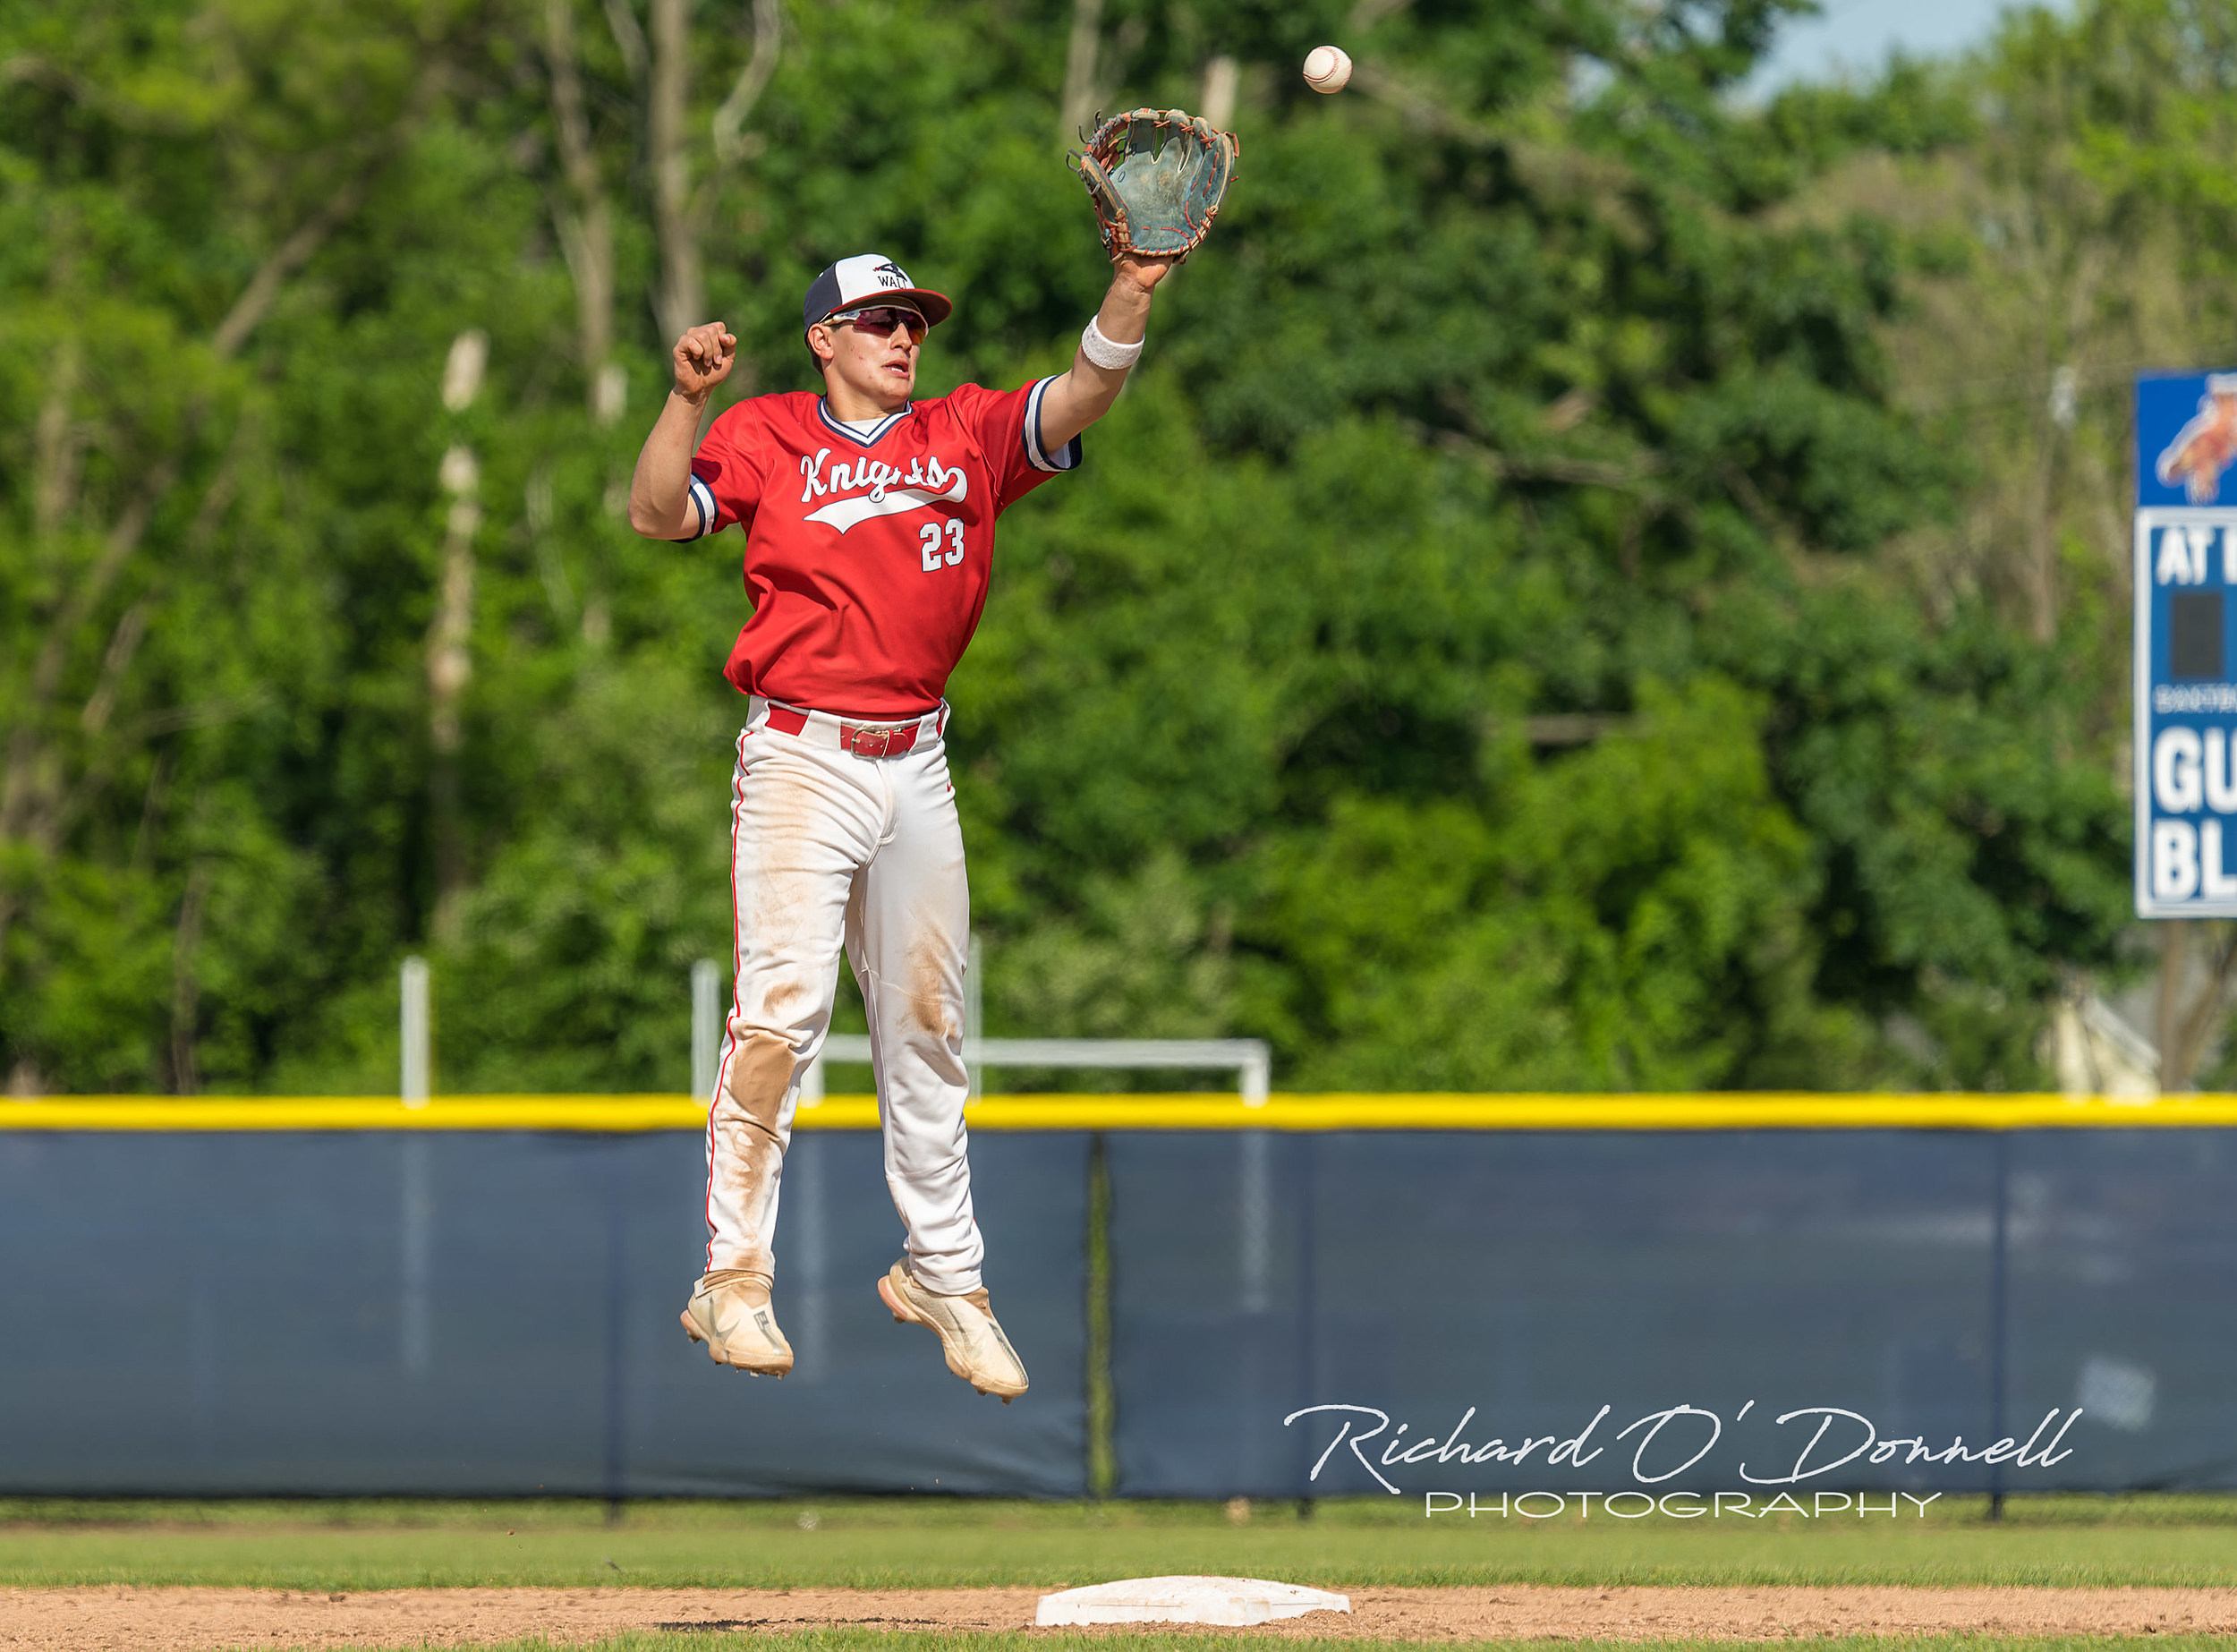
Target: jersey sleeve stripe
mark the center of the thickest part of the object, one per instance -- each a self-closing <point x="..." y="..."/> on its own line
<point x="1064" y="458"/>
<point x="703" y="503"/>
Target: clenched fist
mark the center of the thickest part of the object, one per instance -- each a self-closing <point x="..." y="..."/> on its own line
<point x="702" y="358"/>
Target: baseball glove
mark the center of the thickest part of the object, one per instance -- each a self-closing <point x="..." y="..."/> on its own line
<point x="1156" y="177"/>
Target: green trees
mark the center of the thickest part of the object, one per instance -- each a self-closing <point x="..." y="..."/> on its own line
<point x="1487" y="648"/>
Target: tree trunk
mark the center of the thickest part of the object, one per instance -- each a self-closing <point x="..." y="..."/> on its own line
<point x="683" y="301"/>
<point x="586" y="226"/>
<point x="2174" y="961"/>
<point x="2043" y="544"/>
<point x="2196" y="1021"/>
<point x="449" y="664"/>
<point x="1077" y="106"/>
<point x="1219" y="78"/>
<point x="730" y="121"/>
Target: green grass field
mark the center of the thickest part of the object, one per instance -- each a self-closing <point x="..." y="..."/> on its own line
<point x="350" y="1545"/>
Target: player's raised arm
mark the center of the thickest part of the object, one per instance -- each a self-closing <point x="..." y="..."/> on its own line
<point x="660" y="504"/>
<point x="1156" y="178"/>
<point x="1107" y="352"/>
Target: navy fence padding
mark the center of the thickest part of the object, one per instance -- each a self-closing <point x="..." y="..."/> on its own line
<point x="497" y="1313"/>
<point x="1948" y="1287"/>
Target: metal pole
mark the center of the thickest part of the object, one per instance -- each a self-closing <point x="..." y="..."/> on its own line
<point x="617" y="1329"/>
<point x="803" y="1186"/>
<point x="415" y="1328"/>
<point x="416" y="1218"/>
<point x="1254" y="1220"/>
<point x="418" y="1068"/>
<point x="1257" y="1076"/>
<point x="706" y="1027"/>
<point x="1307" y="1165"/>
<point x="1102" y="1399"/>
<point x="1999" y="1317"/>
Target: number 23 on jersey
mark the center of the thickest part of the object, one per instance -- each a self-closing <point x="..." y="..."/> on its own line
<point x="934" y="557"/>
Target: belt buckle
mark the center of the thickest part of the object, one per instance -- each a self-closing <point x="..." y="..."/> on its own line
<point x="869" y="742"/>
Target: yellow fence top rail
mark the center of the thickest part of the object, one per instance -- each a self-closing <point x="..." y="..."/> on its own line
<point x="1730" y="1110"/>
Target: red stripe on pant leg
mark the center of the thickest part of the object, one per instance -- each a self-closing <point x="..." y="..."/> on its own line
<point x="737" y="943"/>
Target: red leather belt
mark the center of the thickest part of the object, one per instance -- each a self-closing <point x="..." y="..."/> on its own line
<point x="877" y="740"/>
<point x="863" y="739"/>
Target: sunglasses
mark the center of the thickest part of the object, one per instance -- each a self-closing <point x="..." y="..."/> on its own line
<point x="882" y="318"/>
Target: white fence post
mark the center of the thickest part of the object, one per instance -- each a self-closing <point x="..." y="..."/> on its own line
<point x="706" y="1027"/>
<point x="416" y="1218"/>
<point x="1257" y="1074"/>
<point x="418" y="1056"/>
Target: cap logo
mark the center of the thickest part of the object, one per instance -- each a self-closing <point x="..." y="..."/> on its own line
<point x="866" y="279"/>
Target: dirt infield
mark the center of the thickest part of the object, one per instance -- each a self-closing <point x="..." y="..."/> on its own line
<point x="194" y="1619"/>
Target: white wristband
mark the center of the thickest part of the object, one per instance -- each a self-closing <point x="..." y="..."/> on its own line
<point x="1101" y="351"/>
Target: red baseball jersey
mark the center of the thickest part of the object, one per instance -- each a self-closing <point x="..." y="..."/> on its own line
<point x="868" y="552"/>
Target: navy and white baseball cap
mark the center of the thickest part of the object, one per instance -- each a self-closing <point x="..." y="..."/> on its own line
<point x="868" y="278"/>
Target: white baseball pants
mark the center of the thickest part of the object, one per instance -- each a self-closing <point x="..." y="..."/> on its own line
<point x="830" y="850"/>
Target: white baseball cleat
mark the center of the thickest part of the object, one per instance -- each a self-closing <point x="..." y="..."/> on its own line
<point x="730" y="1311"/>
<point x="977" y="1351"/>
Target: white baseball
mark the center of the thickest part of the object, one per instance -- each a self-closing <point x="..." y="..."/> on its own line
<point x="1327" y="69"/>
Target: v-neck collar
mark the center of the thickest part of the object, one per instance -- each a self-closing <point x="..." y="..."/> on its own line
<point x="877" y="431"/>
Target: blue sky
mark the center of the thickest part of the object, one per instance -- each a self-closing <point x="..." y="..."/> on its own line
<point x="1859" y="34"/>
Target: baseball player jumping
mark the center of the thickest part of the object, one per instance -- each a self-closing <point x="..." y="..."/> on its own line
<point x="869" y="521"/>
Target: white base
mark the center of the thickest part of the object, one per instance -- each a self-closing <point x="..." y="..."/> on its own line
<point x="1227" y="1602"/>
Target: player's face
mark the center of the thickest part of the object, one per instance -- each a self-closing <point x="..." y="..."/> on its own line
<point x="873" y="351"/>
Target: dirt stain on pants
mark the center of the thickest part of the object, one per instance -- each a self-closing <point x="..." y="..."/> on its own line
<point x="932" y="1004"/>
<point x="753" y="1098"/>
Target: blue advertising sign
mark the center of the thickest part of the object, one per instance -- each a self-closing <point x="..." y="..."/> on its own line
<point x="2186" y="689"/>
